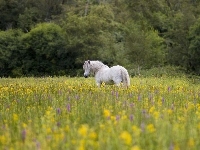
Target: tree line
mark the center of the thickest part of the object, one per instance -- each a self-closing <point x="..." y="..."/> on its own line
<point x="49" y="37"/>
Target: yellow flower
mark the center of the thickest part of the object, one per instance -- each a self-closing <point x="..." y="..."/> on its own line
<point x="82" y="145"/>
<point x="156" y="114"/>
<point x="191" y="142"/>
<point x="93" y="135"/>
<point x="48" y="112"/>
<point x="15" y="117"/>
<point x="48" y="130"/>
<point x="83" y="130"/>
<point x="152" y="109"/>
<point x="136" y="130"/>
<point x="107" y="113"/>
<point x="150" y="128"/>
<point x="169" y="111"/>
<point x="126" y="137"/>
<point x="176" y="147"/>
<point x="124" y="117"/>
<point x="102" y="126"/>
<point x="135" y="148"/>
<point x="24" y="125"/>
<point x="2" y="139"/>
<point x="67" y="128"/>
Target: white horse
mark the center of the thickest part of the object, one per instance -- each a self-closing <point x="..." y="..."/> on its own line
<point x="103" y="73"/>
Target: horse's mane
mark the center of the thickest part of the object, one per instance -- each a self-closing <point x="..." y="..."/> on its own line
<point x="96" y="65"/>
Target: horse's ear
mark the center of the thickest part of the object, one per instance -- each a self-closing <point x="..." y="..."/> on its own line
<point x="89" y="61"/>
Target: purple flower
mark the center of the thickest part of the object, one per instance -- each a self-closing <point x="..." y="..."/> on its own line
<point x="37" y="144"/>
<point x="59" y="92"/>
<point x="131" y="117"/>
<point x="142" y="126"/>
<point x="68" y="108"/>
<point x="58" y="110"/>
<point x="172" y="106"/>
<point x="132" y="105"/>
<point x="77" y="97"/>
<point x="169" y="88"/>
<point x="58" y="124"/>
<point x="150" y="97"/>
<point x="69" y="98"/>
<point x="163" y="100"/>
<point x="117" y="117"/>
<point x="117" y="94"/>
<point x="139" y="97"/>
<point x="171" y="147"/>
<point x="23" y="135"/>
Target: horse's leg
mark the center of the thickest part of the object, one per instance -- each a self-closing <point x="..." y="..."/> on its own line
<point x="98" y="84"/>
<point x="117" y="82"/>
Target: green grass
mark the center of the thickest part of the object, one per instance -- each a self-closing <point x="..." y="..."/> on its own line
<point x="72" y="113"/>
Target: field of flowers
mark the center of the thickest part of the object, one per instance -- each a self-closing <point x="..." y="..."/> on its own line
<point x="72" y="113"/>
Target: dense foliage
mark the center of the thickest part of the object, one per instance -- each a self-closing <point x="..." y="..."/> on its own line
<point x="49" y="37"/>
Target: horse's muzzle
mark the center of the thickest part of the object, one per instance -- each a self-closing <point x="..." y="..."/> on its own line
<point x="85" y="76"/>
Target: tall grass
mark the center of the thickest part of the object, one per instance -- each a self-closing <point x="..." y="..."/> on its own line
<point x="72" y="113"/>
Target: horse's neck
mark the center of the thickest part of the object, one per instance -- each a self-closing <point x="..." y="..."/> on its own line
<point x="97" y="67"/>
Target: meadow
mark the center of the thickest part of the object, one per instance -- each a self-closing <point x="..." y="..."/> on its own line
<point x="63" y="113"/>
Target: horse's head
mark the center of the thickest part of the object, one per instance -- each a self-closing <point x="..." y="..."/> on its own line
<point x="86" y="68"/>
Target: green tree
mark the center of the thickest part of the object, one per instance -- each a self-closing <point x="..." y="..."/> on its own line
<point x="194" y="48"/>
<point x="91" y="36"/>
<point x="10" y="10"/>
<point x="176" y="38"/>
<point x="44" y="45"/>
<point x="144" y="48"/>
<point x="10" y="53"/>
<point x="29" y="19"/>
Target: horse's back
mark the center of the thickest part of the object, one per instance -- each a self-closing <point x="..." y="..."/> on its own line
<point x="119" y="72"/>
<point x="117" y="68"/>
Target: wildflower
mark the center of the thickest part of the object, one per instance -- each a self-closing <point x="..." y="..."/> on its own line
<point x="107" y="113"/>
<point x="68" y="108"/>
<point x="117" y="117"/>
<point x="163" y="100"/>
<point x="93" y="135"/>
<point x="82" y="145"/>
<point x="24" y="125"/>
<point x="131" y="117"/>
<point x="169" y="111"/>
<point x="37" y="143"/>
<point x="48" y="112"/>
<point x="152" y="109"/>
<point x="15" y="117"/>
<point x="83" y="130"/>
<point x="23" y="135"/>
<point x="191" y="142"/>
<point x="58" y="110"/>
<point x="176" y="147"/>
<point x="102" y="126"/>
<point x="150" y="128"/>
<point x="156" y="114"/>
<point x="2" y="139"/>
<point x="135" y="148"/>
<point x="48" y="130"/>
<point x="126" y="137"/>
<point x="136" y="130"/>
<point x="139" y="97"/>
<point x="124" y="117"/>
<point x="67" y="128"/>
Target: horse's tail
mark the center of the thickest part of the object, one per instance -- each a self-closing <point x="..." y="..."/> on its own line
<point x="125" y="77"/>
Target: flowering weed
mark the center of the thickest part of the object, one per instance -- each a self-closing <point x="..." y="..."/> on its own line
<point x="72" y="113"/>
